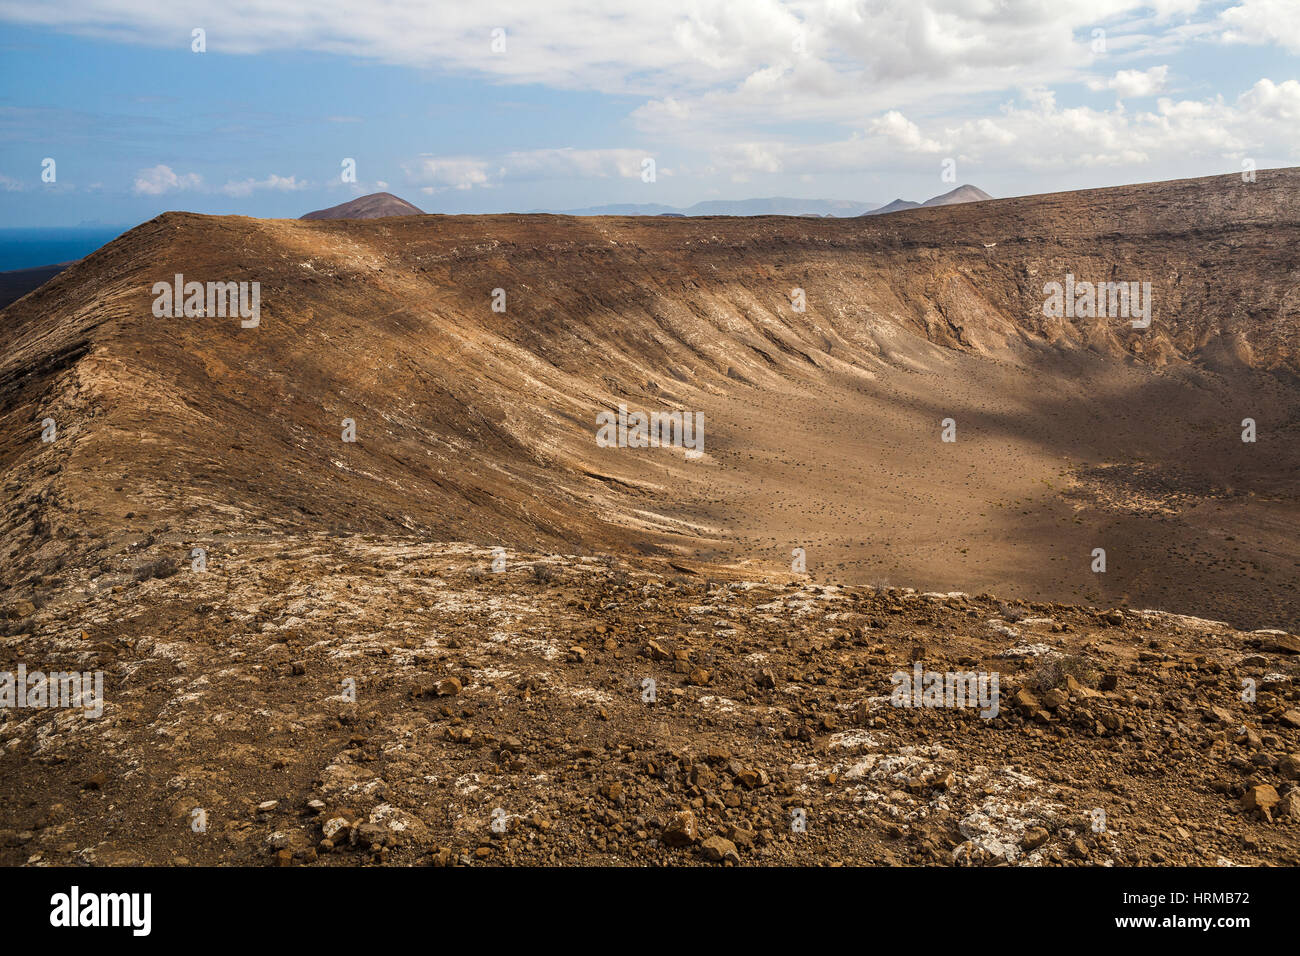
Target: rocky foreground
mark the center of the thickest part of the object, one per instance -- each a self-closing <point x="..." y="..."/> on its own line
<point x="350" y="700"/>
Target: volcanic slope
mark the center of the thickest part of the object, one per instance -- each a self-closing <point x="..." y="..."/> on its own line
<point x="373" y="206"/>
<point x="822" y="427"/>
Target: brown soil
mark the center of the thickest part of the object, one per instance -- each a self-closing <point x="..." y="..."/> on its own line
<point x="822" y="433"/>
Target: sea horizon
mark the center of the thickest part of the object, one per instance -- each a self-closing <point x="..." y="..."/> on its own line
<point x="32" y="247"/>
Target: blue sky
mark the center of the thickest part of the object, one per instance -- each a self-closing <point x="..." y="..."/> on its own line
<point x="819" y="98"/>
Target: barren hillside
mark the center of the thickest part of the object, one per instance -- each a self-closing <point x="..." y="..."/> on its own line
<point x="822" y="427"/>
<point x="474" y="635"/>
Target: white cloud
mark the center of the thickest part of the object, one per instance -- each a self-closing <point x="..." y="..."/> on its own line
<point x="161" y="179"/>
<point x="903" y="133"/>
<point x="1271" y="102"/>
<point x="10" y="185"/>
<point x="437" y="173"/>
<point x="586" y="163"/>
<point x="794" y="51"/>
<point x="739" y="89"/>
<point x="1129" y="84"/>
<point x="1042" y="135"/>
<point x="1263" y="21"/>
<point x="277" y="183"/>
<point x="1036" y="134"/>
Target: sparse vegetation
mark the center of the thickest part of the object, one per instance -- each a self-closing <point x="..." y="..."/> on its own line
<point x="1053" y="672"/>
<point x="1011" y="614"/>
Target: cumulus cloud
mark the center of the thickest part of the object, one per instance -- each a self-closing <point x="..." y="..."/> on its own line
<point x="1263" y="22"/>
<point x="1128" y="84"/>
<point x="161" y="179"/>
<point x="849" y="84"/>
<point x="437" y="173"/>
<point x="1034" y="133"/>
<point x="587" y="163"/>
<point x="706" y="68"/>
<point x="792" y="50"/>
<point x="1273" y="103"/>
<point x="903" y="133"/>
<point x="272" y="182"/>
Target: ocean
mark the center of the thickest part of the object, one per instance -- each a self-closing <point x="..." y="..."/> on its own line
<point x="27" y="248"/>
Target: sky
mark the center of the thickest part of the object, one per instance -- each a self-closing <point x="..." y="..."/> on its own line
<point x="113" y="111"/>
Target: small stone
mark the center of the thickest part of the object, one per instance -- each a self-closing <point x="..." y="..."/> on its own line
<point x="1289" y="806"/>
<point x="720" y="850"/>
<point x="753" y="779"/>
<point x="741" y="837"/>
<point x="449" y="687"/>
<point x="1262" y="797"/>
<point x="1291" y="718"/>
<point x="1217" y="715"/>
<point x="682" y="830"/>
<point x="1034" y="838"/>
<point x="441" y="856"/>
<point x="373" y="835"/>
<point x="1025" y="699"/>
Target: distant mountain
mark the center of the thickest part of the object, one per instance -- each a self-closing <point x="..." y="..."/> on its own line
<point x="774" y="206"/>
<point x="959" y="195"/>
<point x="777" y="206"/>
<point x="618" y="209"/>
<point x="374" y="206"/>
<point x="894" y="206"/>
